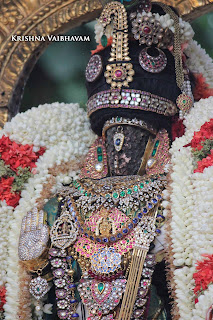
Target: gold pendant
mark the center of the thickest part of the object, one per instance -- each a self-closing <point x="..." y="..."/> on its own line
<point x="118" y="141"/>
<point x="64" y="231"/>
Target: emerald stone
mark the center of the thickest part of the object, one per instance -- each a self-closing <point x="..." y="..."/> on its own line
<point x="157" y="143"/>
<point x="79" y="187"/>
<point x="107" y="195"/>
<point x="145" y="231"/>
<point x="85" y="193"/>
<point x="129" y="191"/>
<point x="135" y="188"/>
<point x="153" y="63"/>
<point x="184" y="101"/>
<point x="122" y="194"/>
<point x="101" y="287"/>
<point x="147" y="181"/>
<point x="99" y="150"/>
<point x="104" y="40"/>
<point x="141" y="185"/>
<point x="38" y="289"/>
<point x="118" y="118"/>
<point x="154" y="152"/>
<point x="115" y="195"/>
<point x="100" y="157"/>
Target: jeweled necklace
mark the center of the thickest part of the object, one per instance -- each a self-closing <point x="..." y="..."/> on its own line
<point x="133" y="196"/>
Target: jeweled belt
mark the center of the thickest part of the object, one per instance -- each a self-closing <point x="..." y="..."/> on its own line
<point x="131" y="99"/>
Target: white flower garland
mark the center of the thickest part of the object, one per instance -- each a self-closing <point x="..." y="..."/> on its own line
<point x="191" y="223"/>
<point x="186" y="205"/>
<point x="199" y="61"/>
<point x="6" y="214"/>
<point x="71" y="140"/>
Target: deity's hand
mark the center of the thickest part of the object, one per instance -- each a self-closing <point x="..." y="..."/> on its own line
<point x="34" y="236"/>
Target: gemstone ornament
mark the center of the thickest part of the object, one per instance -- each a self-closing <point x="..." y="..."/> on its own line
<point x="125" y="121"/>
<point x="106" y="261"/>
<point x="145" y="233"/>
<point x="147" y="29"/>
<point x="131" y="99"/>
<point x="34" y="235"/>
<point x="63" y="281"/>
<point x="119" y="71"/>
<point x="159" y="156"/>
<point x="151" y="63"/>
<point x="94" y="68"/>
<point x="184" y="102"/>
<point x="64" y="231"/>
<point x="38" y="287"/>
<point x="118" y="140"/>
<point x="95" y="165"/>
<point x="133" y="196"/>
<point x="101" y="297"/>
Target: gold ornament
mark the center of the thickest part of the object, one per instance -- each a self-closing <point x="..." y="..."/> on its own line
<point x="64" y="231"/>
<point x="119" y="72"/>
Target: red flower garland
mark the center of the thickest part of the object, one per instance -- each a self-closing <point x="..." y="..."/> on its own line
<point x="2" y="297"/>
<point x="204" y="163"/>
<point x="204" y="274"/>
<point x="15" y="156"/>
<point x="205" y="132"/>
<point x="200" y="137"/>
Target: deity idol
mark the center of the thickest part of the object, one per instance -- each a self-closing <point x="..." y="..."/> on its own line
<point x="107" y="239"/>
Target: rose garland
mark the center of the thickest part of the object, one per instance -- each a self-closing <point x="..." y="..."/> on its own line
<point x="189" y="202"/>
<point x="63" y="130"/>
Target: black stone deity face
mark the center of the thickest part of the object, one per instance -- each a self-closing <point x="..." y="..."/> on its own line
<point x="127" y="161"/>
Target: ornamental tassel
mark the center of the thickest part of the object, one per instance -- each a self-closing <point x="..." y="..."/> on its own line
<point x="145" y="234"/>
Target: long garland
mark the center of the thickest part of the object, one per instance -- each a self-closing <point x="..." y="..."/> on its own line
<point x="188" y="201"/>
<point x="190" y="209"/>
<point x="63" y="129"/>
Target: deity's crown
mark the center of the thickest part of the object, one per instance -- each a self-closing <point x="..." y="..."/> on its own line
<point x="138" y="65"/>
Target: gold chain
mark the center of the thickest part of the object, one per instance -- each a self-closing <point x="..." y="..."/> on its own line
<point x="177" y="46"/>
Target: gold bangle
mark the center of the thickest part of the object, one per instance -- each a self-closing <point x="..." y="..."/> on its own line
<point x="38" y="263"/>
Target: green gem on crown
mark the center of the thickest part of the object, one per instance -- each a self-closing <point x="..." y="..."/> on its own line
<point x="104" y="40"/>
